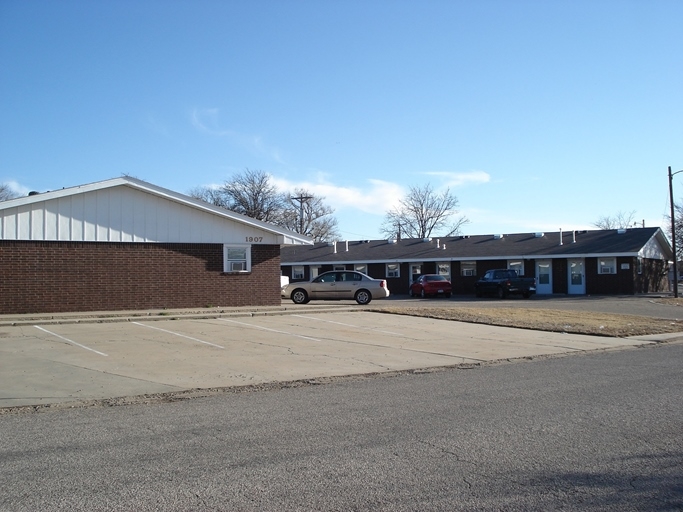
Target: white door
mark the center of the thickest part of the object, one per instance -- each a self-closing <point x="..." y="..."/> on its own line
<point x="577" y="277"/>
<point x="544" y="277"/>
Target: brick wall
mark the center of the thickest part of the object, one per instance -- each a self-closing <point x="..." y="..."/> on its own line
<point x="41" y="277"/>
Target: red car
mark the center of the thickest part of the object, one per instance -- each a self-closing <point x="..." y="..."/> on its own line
<point x="430" y="284"/>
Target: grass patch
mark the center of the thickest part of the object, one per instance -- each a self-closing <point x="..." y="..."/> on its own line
<point x="574" y="322"/>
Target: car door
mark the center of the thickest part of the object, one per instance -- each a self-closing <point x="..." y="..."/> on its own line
<point x="486" y="283"/>
<point x="324" y="286"/>
<point x="347" y="285"/>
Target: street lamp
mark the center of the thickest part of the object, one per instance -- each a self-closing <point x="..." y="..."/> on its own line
<point x="673" y="229"/>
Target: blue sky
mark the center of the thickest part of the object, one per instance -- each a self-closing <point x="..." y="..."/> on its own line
<point x="538" y="115"/>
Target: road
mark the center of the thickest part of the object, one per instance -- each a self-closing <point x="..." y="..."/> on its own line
<point x="600" y="431"/>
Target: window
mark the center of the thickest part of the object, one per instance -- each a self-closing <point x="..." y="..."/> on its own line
<point x="468" y="268"/>
<point x="640" y="265"/>
<point x="443" y="268"/>
<point x="236" y="258"/>
<point x="298" y="272"/>
<point x="393" y="270"/>
<point x="516" y="265"/>
<point x="361" y="268"/>
<point x="607" y="266"/>
<point x="328" y="277"/>
<point x="351" y="276"/>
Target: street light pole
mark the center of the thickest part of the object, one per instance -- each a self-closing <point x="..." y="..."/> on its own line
<point x="301" y="200"/>
<point x="673" y="229"/>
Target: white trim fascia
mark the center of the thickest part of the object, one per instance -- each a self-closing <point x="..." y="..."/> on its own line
<point x="285" y="237"/>
<point x="465" y="258"/>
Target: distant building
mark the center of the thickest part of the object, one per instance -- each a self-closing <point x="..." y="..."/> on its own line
<point x="125" y="244"/>
<point x="592" y="262"/>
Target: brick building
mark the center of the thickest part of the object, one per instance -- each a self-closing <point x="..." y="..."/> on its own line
<point x="586" y="262"/>
<point x="126" y="244"/>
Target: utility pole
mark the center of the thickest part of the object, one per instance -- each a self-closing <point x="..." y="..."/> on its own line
<point x="302" y="200"/>
<point x="673" y="229"/>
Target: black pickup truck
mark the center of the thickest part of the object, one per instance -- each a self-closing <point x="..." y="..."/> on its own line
<point x="504" y="282"/>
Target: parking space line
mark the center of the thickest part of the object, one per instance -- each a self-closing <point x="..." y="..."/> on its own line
<point x="351" y="325"/>
<point x="270" y="330"/>
<point x="70" y="341"/>
<point x="178" y="334"/>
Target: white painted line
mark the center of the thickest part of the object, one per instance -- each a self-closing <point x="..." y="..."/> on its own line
<point x="178" y="334"/>
<point x="70" y="341"/>
<point x="270" y="330"/>
<point x="350" y="325"/>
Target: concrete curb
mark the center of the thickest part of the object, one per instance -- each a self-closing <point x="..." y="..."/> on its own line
<point x="158" y="315"/>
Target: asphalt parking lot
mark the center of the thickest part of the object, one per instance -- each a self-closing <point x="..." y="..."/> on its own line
<point x="56" y="362"/>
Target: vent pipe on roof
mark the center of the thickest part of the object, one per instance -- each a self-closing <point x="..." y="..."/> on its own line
<point x="444" y="247"/>
<point x="560" y="236"/>
<point x="347" y="246"/>
<point x="438" y="243"/>
<point x="335" y="247"/>
<point x="574" y="236"/>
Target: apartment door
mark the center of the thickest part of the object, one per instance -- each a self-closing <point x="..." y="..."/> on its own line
<point x="577" y="277"/>
<point x="544" y="277"/>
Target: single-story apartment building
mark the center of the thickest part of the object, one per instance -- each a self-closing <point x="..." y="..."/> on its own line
<point x="592" y="262"/>
<point x="124" y="244"/>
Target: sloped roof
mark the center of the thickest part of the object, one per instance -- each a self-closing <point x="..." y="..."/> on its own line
<point x="594" y="243"/>
<point x="13" y="209"/>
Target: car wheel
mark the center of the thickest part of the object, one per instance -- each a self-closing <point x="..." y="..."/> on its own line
<point x="526" y="295"/>
<point x="363" y="297"/>
<point x="422" y="293"/>
<point x="478" y="293"/>
<point x="299" y="296"/>
<point x="448" y="295"/>
<point x="410" y="292"/>
<point x="501" y="292"/>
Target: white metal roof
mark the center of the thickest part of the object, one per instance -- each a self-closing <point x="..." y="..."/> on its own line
<point x="130" y="210"/>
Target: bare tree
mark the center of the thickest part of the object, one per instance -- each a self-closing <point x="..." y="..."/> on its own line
<point x="678" y="226"/>
<point x="621" y="220"/>
<point x="308" y="215"/>
<point x="214" y="196"/>
<point x="421" y="212"/>
<point x="6" y="192"/>
<point x="252" y="193"/>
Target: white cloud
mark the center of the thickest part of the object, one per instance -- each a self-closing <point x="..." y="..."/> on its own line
<point x="206" y="121"/>
<point x="18" y="188"/>
<point x="459" y="179"/>
<point x="375" y="198"/>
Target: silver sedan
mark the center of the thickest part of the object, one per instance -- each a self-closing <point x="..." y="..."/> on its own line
<point x="337" y="285"/>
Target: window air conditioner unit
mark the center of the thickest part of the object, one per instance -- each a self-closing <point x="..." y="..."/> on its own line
<point x="606" y="270"/>
<point x="237" y="266"/>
